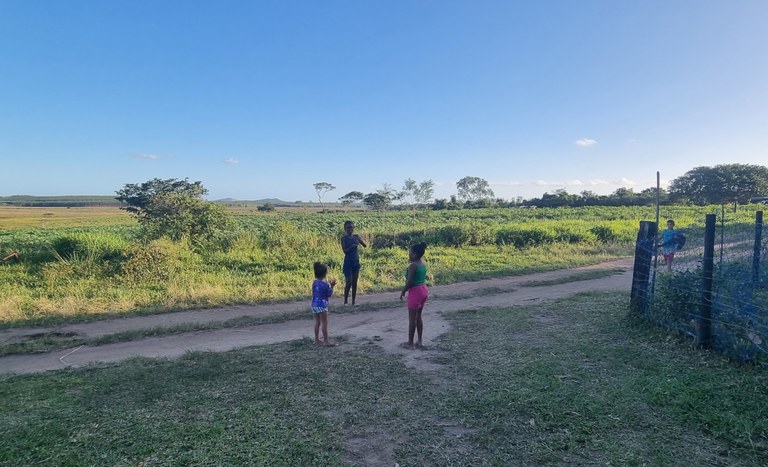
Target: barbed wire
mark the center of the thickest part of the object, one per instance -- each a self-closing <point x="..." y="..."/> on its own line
<point x="739" y="296"/>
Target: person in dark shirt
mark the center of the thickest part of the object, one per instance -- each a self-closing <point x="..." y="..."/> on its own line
<point x="351" y="268"/>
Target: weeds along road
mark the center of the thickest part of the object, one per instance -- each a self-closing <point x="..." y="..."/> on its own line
<point x="381" y="319"/>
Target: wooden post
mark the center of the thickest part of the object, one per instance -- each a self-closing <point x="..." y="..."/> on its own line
<point x="758" y="244"/>
<point x="707" y="269"/>
<point x="644" y="248"/>
<point x="656" y="250"/>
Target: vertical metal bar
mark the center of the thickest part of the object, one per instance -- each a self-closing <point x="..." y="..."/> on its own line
<point x="656" y="250"/>
<point x="758" y="243"/>
<point x="722" y="234"/>
<point x="705" y="310"/>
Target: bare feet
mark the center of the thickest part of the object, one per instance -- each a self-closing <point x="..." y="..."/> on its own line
<point x="419" y="345"/>
<point x="407" y="345"/>
<point x="330" y="343"/>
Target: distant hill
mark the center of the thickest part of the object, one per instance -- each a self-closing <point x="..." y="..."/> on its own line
<point x="274" y="201"/>
<point x="73" y="201"/>
<point x="59" y="201"/>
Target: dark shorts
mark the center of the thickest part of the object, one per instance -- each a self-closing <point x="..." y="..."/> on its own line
<point x="669" y="256"/>
<point x="351" y="267"/>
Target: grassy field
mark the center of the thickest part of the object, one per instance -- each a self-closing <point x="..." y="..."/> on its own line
<point x="575" y="382"/>
<point x="83" y="263"/>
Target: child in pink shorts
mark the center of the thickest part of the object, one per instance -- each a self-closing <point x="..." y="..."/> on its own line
<point x="415" y="285"/>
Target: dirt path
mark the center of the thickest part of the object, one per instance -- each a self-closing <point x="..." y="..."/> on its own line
<point x="384" y="322"/>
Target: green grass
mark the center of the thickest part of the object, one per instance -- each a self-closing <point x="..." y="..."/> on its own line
<point x="79" y="264"/>
<point x="570" y="383"/>
<point x="575" y="277"/>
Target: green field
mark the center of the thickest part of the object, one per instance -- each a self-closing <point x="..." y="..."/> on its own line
<point x="574" y="382"/>
<point x="88" y="262"/>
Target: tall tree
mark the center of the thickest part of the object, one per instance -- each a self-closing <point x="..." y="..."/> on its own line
<point x="424" y="192"/>
<point x="321" y="188"/>
<point x="473" y="188"/>
<point x="416" y="194"/>
<point x="720" y="184"/>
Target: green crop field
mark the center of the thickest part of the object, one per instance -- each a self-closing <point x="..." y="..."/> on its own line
<point x="84" y="262"/>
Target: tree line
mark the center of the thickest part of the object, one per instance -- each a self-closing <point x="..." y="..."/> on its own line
<point x="721" y="184"/>
<point x="176" y="209"/>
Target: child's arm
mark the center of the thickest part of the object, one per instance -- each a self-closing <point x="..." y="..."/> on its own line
<point x="360" y="241"/>
<point x="408" y="280"/>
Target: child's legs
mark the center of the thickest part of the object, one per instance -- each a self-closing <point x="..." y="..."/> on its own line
<point x="412" y="318"/>
<point x="324" y="323"/>
<point x="317" y="326"/>
<point x="355" y="276"/>
<point x="347" y="286"/>
<point x="419" y="324"/>
<point x="668" y="257"/>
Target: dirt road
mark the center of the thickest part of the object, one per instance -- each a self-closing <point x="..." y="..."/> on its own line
<point x="384" y="321"/>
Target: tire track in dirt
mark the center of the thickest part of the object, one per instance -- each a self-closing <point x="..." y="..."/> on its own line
<point x="385" y="326"/>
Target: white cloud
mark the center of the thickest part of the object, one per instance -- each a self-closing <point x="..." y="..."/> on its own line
<point x="231" y="161"/>
<point x="574" y="183"/>
<point x="585" y="142"/>
<point x="150" y="157"/>
<point x="547" y="183"/>
<point x="597" y="182"/>
<point x="626" y="182"/>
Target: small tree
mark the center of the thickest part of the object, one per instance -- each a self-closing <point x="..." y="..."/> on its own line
<point x="266" y="207"/>
<point x="322" y="188"/>
<point x="376" y="201"/>
<point x="473" y="189"/>
<point x="175" y="209"/>
<point x="138" y="195"/>
<point x="352" y="197"/>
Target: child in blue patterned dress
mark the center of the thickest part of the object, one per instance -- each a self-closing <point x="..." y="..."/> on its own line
<point x="321" y="292"/>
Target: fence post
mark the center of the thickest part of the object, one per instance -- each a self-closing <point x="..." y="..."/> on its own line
<point x="644" y="247"/>
<point x="707" y="269"/>
<point x="758" y="243"/>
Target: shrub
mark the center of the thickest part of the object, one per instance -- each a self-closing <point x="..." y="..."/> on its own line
<point x="522" y="237"/>
<point x="604" y="233"/>
<point x="95" y="247"/>
<point x="158" y="261"/>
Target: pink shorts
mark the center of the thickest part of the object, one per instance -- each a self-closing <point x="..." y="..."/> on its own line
<point x="417" y="296"/>
<point x="669" y="256"/>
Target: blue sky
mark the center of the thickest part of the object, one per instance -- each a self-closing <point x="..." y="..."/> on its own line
<point x="263" y="98"/>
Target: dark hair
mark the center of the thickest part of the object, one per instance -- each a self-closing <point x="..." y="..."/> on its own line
<point x="672" y="221"/>
<point x="419" y="249"/>
<point x="320" y="270"/>
<point x="346" y="223"/>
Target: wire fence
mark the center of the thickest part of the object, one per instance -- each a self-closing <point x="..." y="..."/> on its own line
<point x="710" y="283"/>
